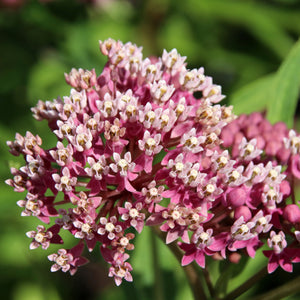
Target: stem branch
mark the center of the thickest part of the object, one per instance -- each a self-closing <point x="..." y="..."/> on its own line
<point x="191" y="274"/>
<point x="247" y="284"/>
<point x="282" y="291"/>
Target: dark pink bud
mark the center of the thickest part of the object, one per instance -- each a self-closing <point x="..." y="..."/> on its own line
<point x="255" y="118"/>
<point x="243" y="211"/>
<point x="237" y="197"/>
<point x="285" y="188"/>
<point x="292" y="213"/>
<point x="272" y="147"/>
<point x="242" y="120"/>
<point x="228" y="135"/>
<point x="295" y="165"/>
<point x="252" y="131"/>
<point x="281" y="128"/>
<point x="283" y="155"/>
<point x="260" y="142"/>
<point x="234" y="257"/>
<point x="265" y="126"/>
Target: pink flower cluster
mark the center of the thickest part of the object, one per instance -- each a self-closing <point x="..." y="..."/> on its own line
<point x="135" y="147"/>
<point x="280" y="149"/>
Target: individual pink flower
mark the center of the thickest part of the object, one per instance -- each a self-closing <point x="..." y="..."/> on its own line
<point x="65" y="182"/>
<point x="280" y="255"/>
<point x="67" y="260"/>
<point x="43" y="237"/>
<point x="199" y="247"/>
<point x="133" y="215"/>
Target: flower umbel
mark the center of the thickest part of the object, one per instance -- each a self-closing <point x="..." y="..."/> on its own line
<point x="135" y="137"/>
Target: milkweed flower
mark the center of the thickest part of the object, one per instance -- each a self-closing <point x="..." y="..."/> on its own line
<point x="135" y="147"/>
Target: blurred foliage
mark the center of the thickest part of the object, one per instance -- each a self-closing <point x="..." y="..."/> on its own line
<point x="247" y="46"/>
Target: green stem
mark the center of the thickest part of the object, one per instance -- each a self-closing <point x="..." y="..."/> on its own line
<point x="209" y="283"/>
<point x="282" y="291"/>
<point x="158" y="280"/>
<point x="190" y="271"/>
<point x="247" y="284"/>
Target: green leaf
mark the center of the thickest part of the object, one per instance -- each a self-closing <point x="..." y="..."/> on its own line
<point x="253" y="17"/>
<point x="285" y="90"/>
<point x="253" y="96"/>
<point x="47" y="80"/>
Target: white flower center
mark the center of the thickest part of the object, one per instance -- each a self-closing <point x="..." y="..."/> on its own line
<point x="210" y="188"/>
<point x="180" y="109"/>
<point x="179" y="166"/>
<point x="121" y="273"/>
<point x="193" y="174"/>
<point x="222" y="161"/>
<point x="204" y="237"/>
<point x="92" y="124"/>
<point x="97" y="167"/>
<point x="256" y="170"/>
<point x="30" y="205"/>
<point x="86" y="228"/>
<point x="65" y="180"/>
<point x="150" y="116"/>
<point x="81" y="139"/>
<point x="109" y="227"/>
<point x="61" y="261"/>
<point x="39" y="237"/>
<point x="262" y="221"/>
<point x="68" y="108"/>
<point x="235" y="175"/>
<point x="271" y="195"/>
<point x="125" y="98"/>
<point x="176" y="215"/>
<point x="124" y="241"/>
<point x="163" y="89"/>
<point x="133" y="213"/>
<point x="150" y="143"/>
<point x="195" y="217"/>
<point x="130" y="109"/>
<point x="151" y="69"/>
<point x="153" y="192"/>
<point x="62" y="154"/>
<point x="66" y="129"/>
<point x="108" y="106"/>
<point x="33" y="166"/>
<point x="123" y="164"/>
<point x="249" y="148"/>
<point x="273" y="174"/>
<point x="193" y="141"/>
<point x="295" y="142"/>
<point x="276" y="239"/>
<point x="165" y="118"/>
<point x="244" y="229"/>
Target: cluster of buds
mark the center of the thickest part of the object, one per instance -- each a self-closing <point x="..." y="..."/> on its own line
<point x="136" y="147"/>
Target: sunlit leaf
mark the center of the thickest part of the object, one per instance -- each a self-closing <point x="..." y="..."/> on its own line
<point x="285" y="90"/>
<point x="246" y="14"/>
<point x="31" y="291"/>
<point x="253" y="96"/>
<point x="142" y="258"/>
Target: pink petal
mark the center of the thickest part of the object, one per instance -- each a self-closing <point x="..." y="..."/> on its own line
<point x="187" y="259"/>
<point x="200" y="259"/>
<point x="172" y="236"/>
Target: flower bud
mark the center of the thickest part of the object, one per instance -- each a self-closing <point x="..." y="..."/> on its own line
<point x="243" y="211"/>
<point x="292" y="213"/>
<point x="237" y="197"/>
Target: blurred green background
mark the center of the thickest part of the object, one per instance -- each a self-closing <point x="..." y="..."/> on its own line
<point x="237" y="42"/>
